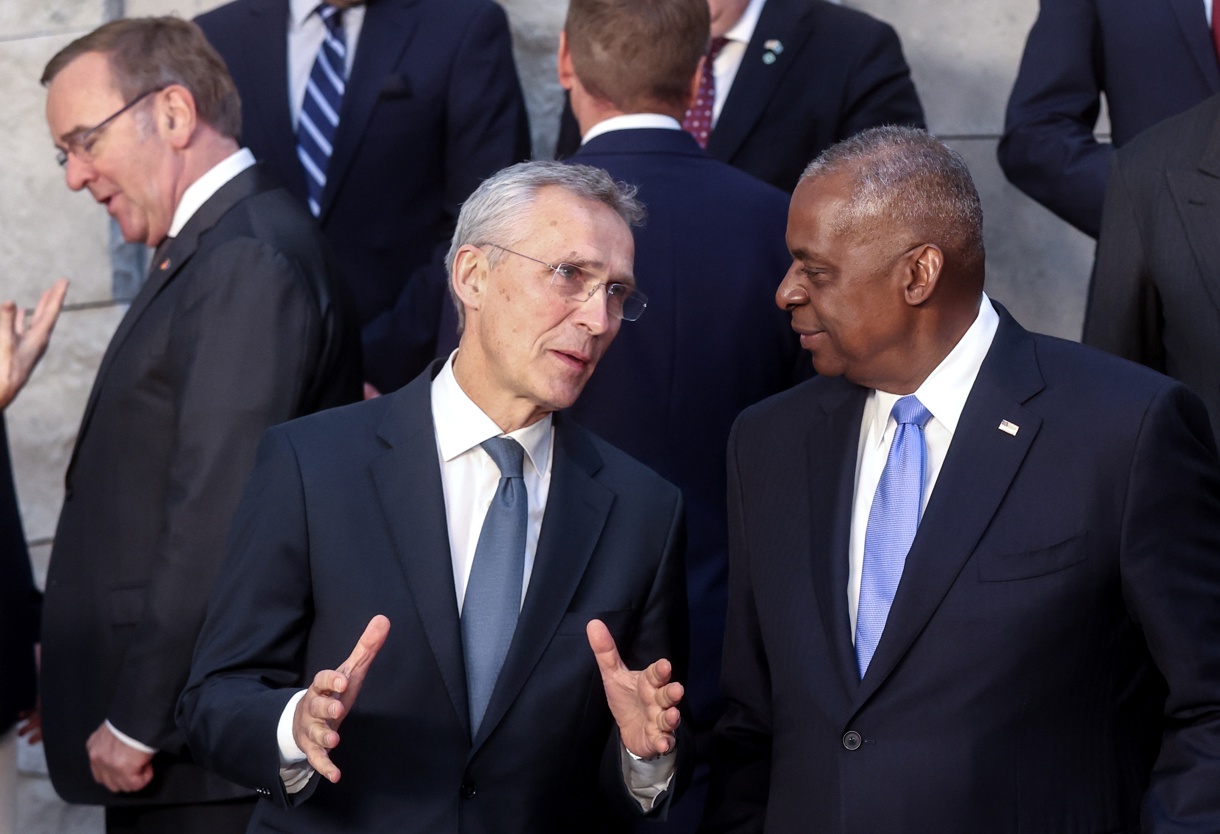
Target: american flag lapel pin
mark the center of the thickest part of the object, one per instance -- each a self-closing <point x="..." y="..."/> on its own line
<point x="1009" y="428"/>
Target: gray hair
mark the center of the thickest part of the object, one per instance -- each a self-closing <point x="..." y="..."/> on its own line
<point x="907" y="176"/>
<point x="495" y="212"/>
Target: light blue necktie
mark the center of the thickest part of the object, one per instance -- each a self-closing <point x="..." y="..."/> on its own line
<point x="319" y="118"/>
<point x="493" y="594"/>
<point x="892" y="523"/>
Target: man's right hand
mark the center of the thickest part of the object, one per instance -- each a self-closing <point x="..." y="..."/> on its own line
<point x="330" y="697"/>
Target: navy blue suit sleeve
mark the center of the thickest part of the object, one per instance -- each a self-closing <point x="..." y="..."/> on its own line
<point x="1170" y="563"/>
<point x="1048" y="149"/>
<point x="741" y="764"/>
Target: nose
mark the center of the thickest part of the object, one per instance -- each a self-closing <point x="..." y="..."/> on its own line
<point x="791" y="292"/>
<point x="594" y="312"/>
<point x="77" y="173"/>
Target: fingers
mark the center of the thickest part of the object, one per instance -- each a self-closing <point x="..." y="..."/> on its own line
<point x="604" y="649"/>
<point x="367" y="646"/>
<point x="46" y="312"/>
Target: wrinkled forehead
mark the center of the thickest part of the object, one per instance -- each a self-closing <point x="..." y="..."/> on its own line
<point x="82" y="94"/>
<point x="562" y="226"/>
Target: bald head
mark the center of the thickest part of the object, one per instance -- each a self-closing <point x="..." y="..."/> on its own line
<point x="905" y="182"/>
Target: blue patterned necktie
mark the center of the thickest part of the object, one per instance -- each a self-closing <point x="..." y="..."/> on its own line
<point x="493" y="594"/>
<point x="892" y="523"/>
<point x="319" y="118"/>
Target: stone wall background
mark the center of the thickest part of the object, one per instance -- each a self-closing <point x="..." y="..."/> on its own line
<point x="963" y="55"/>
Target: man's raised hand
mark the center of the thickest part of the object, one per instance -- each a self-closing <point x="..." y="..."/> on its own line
<point x="644" y="704"/>
<point x="330" y="697"/>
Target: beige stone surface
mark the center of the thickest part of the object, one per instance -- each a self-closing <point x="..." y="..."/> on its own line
<point x="42" y="422"/>
<point x="48" y="230"/>
<point x="26" y="18"/>
<point x="535" y="26"/>
<point x="181" y="8"/>
<point x="1037" y="265"/>
<point x="963" y="57"/>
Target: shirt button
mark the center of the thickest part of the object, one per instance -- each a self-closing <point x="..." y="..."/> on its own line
<point x="467" y="790"/>
<point x="852" y="740"/>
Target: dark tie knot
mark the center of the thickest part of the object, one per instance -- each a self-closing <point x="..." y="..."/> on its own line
<point x="331" y="16"/>
<point x="507" y="453"/>
<point x="910" y="410"/>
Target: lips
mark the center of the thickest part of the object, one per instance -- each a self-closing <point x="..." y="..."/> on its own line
<point x="576" y="360"/>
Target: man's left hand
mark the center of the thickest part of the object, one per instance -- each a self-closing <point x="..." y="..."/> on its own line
<point x="644" y="704"/>
<point x="118" y="767"/>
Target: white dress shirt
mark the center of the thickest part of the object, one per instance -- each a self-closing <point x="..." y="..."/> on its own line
<point x="306" y="31"/>
<point x="944" y="394"/>
<point x="469" y="478"/>
<point x="196" y="194"/>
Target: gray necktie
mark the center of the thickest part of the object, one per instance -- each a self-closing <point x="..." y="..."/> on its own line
<point x="493" y="594"/>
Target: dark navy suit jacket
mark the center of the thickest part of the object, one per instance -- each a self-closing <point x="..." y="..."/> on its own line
<point x="1151" y="58"/>
<point x="836" y="71"/>
<point x="711" y="342"/>
<point x="1050" y="660"/>
<point x="18" y="600"/>
<point x="1155" y="296"/>
<point x="344" y="518"/>
<point x="432" y="108"/>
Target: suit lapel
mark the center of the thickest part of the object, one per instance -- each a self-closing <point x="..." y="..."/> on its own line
<point x="408" y="482"/>
<point x="832" y="448"/>
<point x="978" y="469"/>
<point x="756" y="79"/>
<point x="576" y="512"/>
<point x="1193" y="23"/>
<point x="384" y="37"/>
<point x="168" y="263"/>
<point x="1196" y="195"/>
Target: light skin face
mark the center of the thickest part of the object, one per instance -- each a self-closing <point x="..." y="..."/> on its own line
<point x="527" y="351"/>
<point x="133" y="171"/>
<point x="725" y="14"/>
<point x="854" y="298"/>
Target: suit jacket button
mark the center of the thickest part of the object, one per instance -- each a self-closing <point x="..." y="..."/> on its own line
<point x="467" y="790"/>
<point x="262" y="791"/>
<point x="852" y="740"/>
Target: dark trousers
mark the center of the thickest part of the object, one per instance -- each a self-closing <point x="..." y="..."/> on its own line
<point x="201" y="818"/>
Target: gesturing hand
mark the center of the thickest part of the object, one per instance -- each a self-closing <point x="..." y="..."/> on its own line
<point x="644" y="704"/>
<point x="22" y="342"/>
<point x="330" y="697"/>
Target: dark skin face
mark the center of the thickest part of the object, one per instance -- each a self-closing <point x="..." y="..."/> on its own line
<point x="858" y="295"/>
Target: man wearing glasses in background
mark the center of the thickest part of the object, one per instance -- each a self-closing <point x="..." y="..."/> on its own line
<point x="513" y="553"/>
<point x="237" y="328"/>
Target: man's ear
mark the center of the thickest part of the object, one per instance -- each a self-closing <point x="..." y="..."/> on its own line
<point x="693" y="93"/>
<point x="469" y="277"/>
<point x="567" y="73"/>
<point x="176" y="115"/>
<point x="923" y="267"/>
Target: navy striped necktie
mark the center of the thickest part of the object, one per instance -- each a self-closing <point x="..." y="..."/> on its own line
<point x="319" y="120"/>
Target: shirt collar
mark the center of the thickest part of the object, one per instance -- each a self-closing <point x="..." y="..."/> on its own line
<point x="299" y="10"/>
<point x="743" y="29"/>
<point x="465" y="425"/>
<point x="202" y="189"/>
<point x="631" y="121"/>
<point x="946" y="389"/>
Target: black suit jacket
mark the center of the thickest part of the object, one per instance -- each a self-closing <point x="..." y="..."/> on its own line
<point x="838" y="71"/>
<point x="432" y="108"/>
<point x="237" y="328"/>
<point x="1155" y="296"/>
<point x="344" y="518"/>
<point x="1048" y="664"/>
<point x="709" y="256"/>
<point x="18" y="600"/>
<point x="1151" y="58"/>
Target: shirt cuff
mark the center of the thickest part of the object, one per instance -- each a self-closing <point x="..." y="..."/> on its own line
<point x="647" y="779"/>
<point x="128" y="740"/>
<point x="295" y="771"/>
